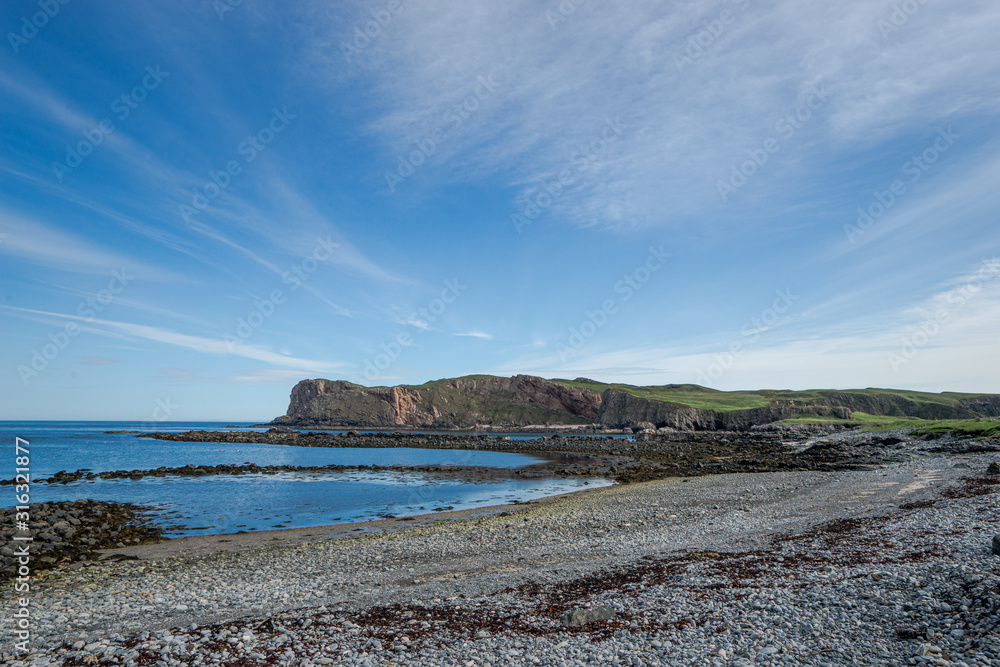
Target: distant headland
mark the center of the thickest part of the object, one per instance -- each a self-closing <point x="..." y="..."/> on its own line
<point x="526" y="401"/>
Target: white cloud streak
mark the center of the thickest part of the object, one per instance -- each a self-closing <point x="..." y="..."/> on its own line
<point x="683" y="128"/>
<point x="210" y="346"/>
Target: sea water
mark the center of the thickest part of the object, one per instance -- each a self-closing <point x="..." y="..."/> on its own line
<point x="227" y="503"/>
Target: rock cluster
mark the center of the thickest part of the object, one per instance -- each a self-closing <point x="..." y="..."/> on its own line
<point x="71" y="531"/>
<point x="647" y="455"/>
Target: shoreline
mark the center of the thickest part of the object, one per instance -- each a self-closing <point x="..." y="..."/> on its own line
<point x="288" y="537"/>
<point x="643" y="458"/>
<point x="748" y="553"/>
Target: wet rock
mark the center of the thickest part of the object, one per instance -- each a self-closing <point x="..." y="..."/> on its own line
<point x="71" y="531"/>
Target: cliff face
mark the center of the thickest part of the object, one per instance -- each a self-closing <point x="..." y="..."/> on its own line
<point x="987" y="406"/>
<point x="338" y="403"/>
<point x="893" y="405"/>
<point x="622" y="410"/>
<point x="460" y="402"/>
<point x="525" y="400"/>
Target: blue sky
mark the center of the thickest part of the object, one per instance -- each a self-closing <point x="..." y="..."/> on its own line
<point x="203" y="204"/>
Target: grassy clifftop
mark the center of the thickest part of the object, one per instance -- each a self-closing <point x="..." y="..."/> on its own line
<point x="704" y="398"/>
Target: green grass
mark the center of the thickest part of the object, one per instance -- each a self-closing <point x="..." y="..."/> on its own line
<point x="815" y="419"/>
<point x="868" y="423"/>
<point x="977" y="428"/>
<point x="691" y="395"/>
<point x="876" y="423"/>
<point x="980" y="428"/>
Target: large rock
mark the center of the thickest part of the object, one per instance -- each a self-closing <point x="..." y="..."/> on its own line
<point x="996" y="545"/>
<point x="584" y="616"/>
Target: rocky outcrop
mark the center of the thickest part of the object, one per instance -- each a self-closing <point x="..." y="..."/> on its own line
<point x="895" y="405"/>
<point x="454" y="403"/>
<point x="986" y="406"/>
<point x="620" y="409"/>
<point x="69" y="531"/>
<point x="325" y="402"/>
<point x="738" y="420"/>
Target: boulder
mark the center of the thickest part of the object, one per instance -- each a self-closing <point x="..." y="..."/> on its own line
<point x="583" y="616"/>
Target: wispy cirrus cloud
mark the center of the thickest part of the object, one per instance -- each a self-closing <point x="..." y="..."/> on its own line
<point x="204" y="345"/>
<point x="44" y="245"/>
<point x="275" y="215"/>
<point x="685" y="125"/>
<point x="477" y="334"/>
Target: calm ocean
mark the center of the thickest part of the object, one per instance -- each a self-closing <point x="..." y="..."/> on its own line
<point x="228" y="503"/>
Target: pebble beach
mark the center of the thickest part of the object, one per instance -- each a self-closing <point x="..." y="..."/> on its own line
<point x="887" y="566"/>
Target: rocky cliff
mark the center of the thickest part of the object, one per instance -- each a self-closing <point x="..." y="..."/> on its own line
<point x="525" y="400"/>
<point x="454" y="403"/>
<point x="623" y="410"/>
<point x="620" y="409"/>
<point x="895" y="405"/>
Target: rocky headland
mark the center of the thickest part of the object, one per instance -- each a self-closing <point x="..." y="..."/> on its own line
<point x="488" y="402"/>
